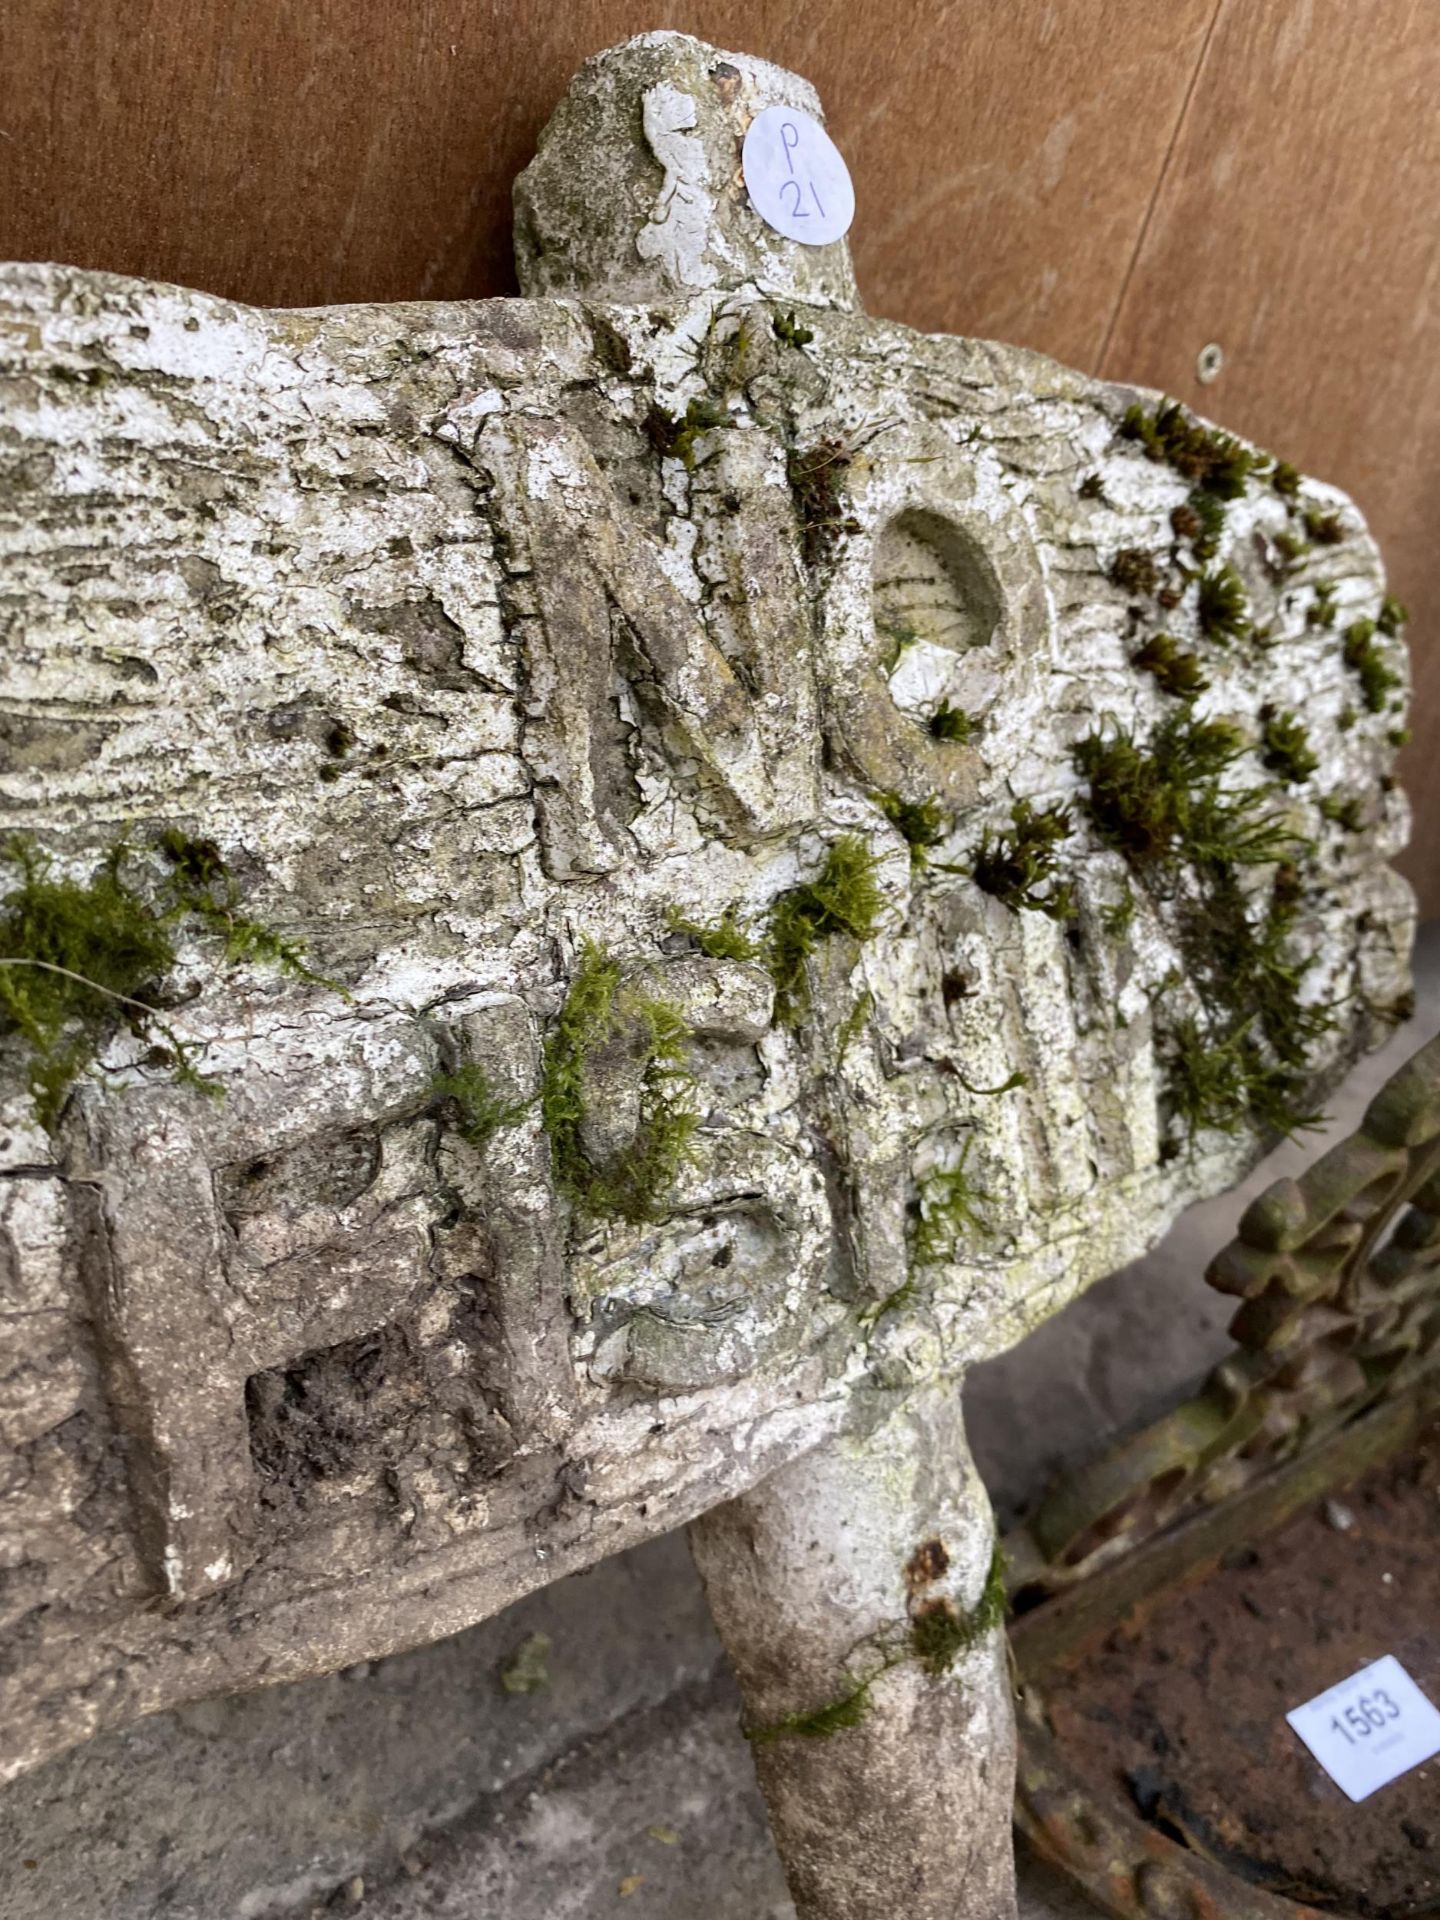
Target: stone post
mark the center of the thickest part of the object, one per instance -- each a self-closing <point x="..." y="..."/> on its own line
<point x="858" y="1594"/>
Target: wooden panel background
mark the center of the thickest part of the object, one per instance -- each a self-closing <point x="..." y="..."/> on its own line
<point x="1118" y="182"/>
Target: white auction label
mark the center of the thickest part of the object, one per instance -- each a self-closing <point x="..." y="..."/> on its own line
<point x="1369" y="1729"/>
<point x="797" y="178"/>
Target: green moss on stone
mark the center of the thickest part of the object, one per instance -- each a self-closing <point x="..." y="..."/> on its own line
<point x="1134" y="571"/>
<point x="789" y="331"/>
<point x="204" y="885"/>
<point x="1377" y="680"/>
<point x="1321" y="612"/>
<point x="1222" y="609"/>
<point x="1323" y="529"/>
<point x="1163" y="802"/>
<point x="79" y="958"/>
<point x="1392" y="616"/>
<point x="816" y="476"/>
<point x="1343" y="810"/>
<point x="940" y="1633"/>
<point x="722" y="939"/>
<point x="1285" y="746"/>
<point x="946" y="1209"/>
<point x="843" y="898"/>
<point x="76" y="957"/>
<point x="922" y="823"/>
<point x="474" y="1107"/>
<point x="1173" y="669"/>
<point x="597" y="1007"/>
<point x="1204" y="522"/>
<point x="1020" y="866"/>
<point x="823" y="1723"/>
<point x="1188" y="835"/>
<point x="675" y="436"/>
<point x="1215" y="461"/>
<point x="952" y="723"/>
<point x="900" y="634"/>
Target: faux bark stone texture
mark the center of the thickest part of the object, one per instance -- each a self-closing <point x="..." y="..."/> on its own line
<point x="603" y="892"/>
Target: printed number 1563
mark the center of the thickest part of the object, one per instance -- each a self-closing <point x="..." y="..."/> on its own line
<point x="1365" y="1716"/>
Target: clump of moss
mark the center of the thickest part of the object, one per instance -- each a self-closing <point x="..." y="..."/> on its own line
<point x="1285" y="746"/>
<point x="1285" y="479"/>
<point x="1201" y="521"/>
<point x="1188" y="837"/>
<point x="1163" y="802"/>
<point x="204" y="885"/>
<point x="1343" y="810"/>
<point x="722" y="939"/>
<point x="923" y="824"/>
<point x="1321" y="612"/>
<point x="339" y="739"/>
<point x="952" y="723"/>
<point x="1226" y="1083"/>
<point x="734" y="354"/>
<point x="75" y="957"/>
<point x="816" y="475"/>
<point x="599" y="1008"/>
<point x="1185" y="522"/>
<point x="940" y="1633"/>
<point x="1323" y="529"/>
<point x="1020" y="866"/>
<point x="843" y="898"/>
<point x="1399" y="736"/>
<point x="946" y="1208"/>
<point x="78" y="958"/>
<point x="675" y="436"/>
<point x="901" y="633"/>
<point x="1222" y="608"/>
<point x="789" y="331"/>
<point x="1215" y="461"/>
<point x="1364" y="658"/>
<point x="1134" y="571"/>
<point x="1392" y="616"/>
<point x="475" y="1108"/>
<point x="823" y="1723"/>
<point x="1174" y="670"/>
<point x="1092" y="487"/>
<point x="1117" y="918"/>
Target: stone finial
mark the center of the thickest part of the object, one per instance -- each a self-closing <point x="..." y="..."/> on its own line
<point x="636" y="193"/>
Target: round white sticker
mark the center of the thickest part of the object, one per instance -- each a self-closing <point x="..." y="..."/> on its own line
<point x="796" y="177"/>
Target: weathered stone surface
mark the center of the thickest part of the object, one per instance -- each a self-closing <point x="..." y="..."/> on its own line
<point x="475" y="640"/>
<point x="281" y="1795"/>
<point x="801" y="1578"/>
<point x="663" y="217"/>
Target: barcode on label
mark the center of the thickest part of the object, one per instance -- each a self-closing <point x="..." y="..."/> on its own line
<point x="1369" y="1729"/>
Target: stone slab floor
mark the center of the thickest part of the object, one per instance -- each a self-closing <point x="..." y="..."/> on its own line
<point x="418" y="1786"/>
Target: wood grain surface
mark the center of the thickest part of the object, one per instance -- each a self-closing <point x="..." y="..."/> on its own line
<point x="1115" y="181"/>
<point x="1297" y="225"/>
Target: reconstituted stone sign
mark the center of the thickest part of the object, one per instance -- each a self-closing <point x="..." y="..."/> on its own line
<point x="602" y="891"/>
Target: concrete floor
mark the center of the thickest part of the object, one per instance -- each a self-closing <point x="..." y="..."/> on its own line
<point x="418" y="1786"/>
